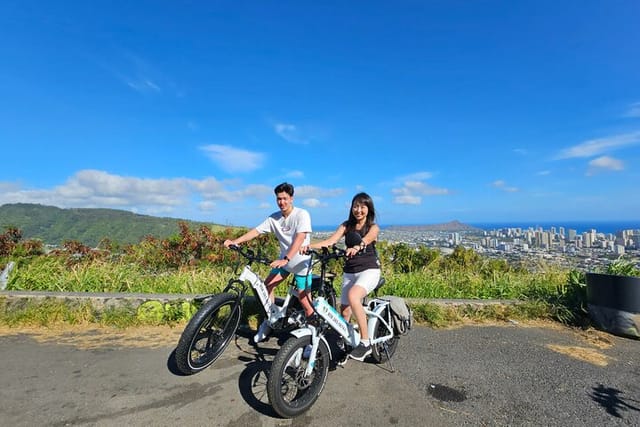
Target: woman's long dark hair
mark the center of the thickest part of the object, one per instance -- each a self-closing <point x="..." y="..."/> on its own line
<point x="365" y="199"/>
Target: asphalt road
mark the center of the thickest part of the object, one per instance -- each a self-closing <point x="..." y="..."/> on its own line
<point x="474" y="375"/>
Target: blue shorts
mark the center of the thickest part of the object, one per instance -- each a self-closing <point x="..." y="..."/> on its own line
<point x="302" y="282"/>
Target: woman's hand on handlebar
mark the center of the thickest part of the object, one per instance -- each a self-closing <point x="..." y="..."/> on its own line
<point x="353" y="251"/>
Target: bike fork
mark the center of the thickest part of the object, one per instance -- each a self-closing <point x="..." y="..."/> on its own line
<point x="315" y="342"/>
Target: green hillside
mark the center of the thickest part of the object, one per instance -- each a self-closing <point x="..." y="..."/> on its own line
<point x="54" y="225"/>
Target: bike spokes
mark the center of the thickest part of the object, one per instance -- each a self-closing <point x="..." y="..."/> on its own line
<point x="291" y="390"/>
<point x="208" y="333"/>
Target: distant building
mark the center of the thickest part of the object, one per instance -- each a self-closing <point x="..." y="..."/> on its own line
<point x="455" y="238"/>
<point x="505" y="247"/>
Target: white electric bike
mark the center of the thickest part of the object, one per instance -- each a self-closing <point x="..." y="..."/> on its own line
<point x="213" y="326"/>
<point x="299" y="370"/>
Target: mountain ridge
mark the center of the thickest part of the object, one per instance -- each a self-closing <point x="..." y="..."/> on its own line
<point x="453" y="225"/>
<point x="54" y="225"/>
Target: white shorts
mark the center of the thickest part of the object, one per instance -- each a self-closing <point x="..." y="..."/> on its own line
<point x="367" y="279"/>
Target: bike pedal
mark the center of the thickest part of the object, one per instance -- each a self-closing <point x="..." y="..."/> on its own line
<point x="343" y="360"/>
<point x="313" y="320"/>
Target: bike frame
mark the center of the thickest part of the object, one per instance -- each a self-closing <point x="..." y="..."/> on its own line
<point x="373" y="309"/>
<point x="273" y="311"/>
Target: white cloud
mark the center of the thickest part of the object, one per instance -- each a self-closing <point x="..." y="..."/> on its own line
<point x="520" y="151"/>
<point x="6" y="187"/>
<point x="212" y="189"/>
<point x="290" y="133"/>
<point x="604" y="163"/>
<point x="207" y="206"/>
<point x="232" y="159"/>
<point x="544" y="173"/>
<point x="500" y="184"/>
<point x="407" y="200"/>
<point x="595" y="147"/>
<point x="93" y="188"/>
<point x="295" y="174"/>
<point x="259" y="191"/>
<point x="99" y="189"/>
<point x="310" y="191"/>
<point x="413" y="189"/>
<point x="634" y="110"/>
<point x="424" y="189"/>
<point x="313" y="203"/>
<point x="143" y="85"/>
<point x="416" y="176"/>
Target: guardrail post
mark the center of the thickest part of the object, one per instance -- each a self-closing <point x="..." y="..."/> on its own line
<point x="4" y="277"/>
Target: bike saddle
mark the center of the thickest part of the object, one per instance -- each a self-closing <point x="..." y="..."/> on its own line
<point x="380" y="284"/>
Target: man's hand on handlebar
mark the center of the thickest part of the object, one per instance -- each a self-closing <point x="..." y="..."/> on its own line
<point x="228" y="243"/>
<point x="279" y="263"/>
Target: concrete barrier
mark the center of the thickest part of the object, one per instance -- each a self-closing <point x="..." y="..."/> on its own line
<point x="101" y="300"/>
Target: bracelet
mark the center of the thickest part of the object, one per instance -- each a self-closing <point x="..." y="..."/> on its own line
<point x="286" y="258"/>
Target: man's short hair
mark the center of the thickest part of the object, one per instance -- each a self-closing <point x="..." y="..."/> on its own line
<point x="285" y="187"/>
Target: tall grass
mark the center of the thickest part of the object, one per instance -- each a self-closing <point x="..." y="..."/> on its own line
<point x="54" y="274"/>
<point x="470" y="284"/>
<point x="196" y="263"/>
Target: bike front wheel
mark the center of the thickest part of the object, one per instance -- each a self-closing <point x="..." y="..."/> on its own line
<point x="290" y="391"/>
<point x="208" y="333"/>
<point x="378" y="351"/>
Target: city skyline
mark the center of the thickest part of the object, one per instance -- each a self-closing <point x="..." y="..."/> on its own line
<point x="478" y="112"/>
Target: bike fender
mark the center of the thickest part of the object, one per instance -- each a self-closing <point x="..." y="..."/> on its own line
<point x="372" y="324"/>
<point x="303" y="332"/>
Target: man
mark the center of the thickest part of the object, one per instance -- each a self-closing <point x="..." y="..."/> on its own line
<point x="292" y="227"/>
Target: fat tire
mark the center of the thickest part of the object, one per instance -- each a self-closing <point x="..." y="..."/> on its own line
<point x="282" y="378"/>
<point x="378" y="353"/>
<point x="207" y="335"/>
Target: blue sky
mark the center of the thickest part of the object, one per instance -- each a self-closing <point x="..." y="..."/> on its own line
<point x="479" y="111"/>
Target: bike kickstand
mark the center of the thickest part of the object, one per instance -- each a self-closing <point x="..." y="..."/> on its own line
<point x="386" y="350"/>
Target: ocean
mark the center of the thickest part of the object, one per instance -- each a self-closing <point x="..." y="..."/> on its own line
<point x="579" y="226"/>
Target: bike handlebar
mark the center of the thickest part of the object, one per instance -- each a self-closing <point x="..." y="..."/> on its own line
<point x="326" y="254"/>
<point x="250" y="255"/>
<point x="323" y="255"/>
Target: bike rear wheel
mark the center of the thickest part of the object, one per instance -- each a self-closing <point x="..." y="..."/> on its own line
<point x="378" y="350"/>
<point x="208" y="333"/>
<point x="291" y="392"/>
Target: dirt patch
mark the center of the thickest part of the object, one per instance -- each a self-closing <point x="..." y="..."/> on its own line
<point x="588" y="355"/>
<point x="92" y="336"/>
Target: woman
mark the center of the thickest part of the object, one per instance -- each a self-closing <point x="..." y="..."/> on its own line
<point x="361" y="269"/>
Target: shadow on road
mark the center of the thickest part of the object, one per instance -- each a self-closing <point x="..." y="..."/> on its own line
<point x="172" y="366"/>
<point x="253" y="386"/>
<point x="609" y="398"/>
